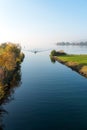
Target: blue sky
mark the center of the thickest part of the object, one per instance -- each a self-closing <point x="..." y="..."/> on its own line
<point x="42" y="22"/>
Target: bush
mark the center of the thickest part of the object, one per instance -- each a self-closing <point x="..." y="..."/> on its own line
<point x="53" y="53"/>
<point x="11" y="56"/>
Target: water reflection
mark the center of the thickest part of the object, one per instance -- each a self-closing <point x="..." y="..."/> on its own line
<point x="52" y="59"/>
<point x="2" y="112"/>
<point x="7" y="91"/>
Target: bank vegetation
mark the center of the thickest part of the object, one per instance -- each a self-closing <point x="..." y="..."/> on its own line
<point x="74" y="61"/>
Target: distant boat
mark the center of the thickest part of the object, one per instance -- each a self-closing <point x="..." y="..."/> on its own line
<point x="35" y="51"/>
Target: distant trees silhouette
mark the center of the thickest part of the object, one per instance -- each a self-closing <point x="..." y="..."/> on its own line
<point x="72" y="43"/>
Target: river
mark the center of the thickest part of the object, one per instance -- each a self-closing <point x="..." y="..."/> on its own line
<point x="50" y="96"/>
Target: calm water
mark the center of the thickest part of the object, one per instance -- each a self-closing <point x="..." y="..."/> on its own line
<point x="50" y="97"/>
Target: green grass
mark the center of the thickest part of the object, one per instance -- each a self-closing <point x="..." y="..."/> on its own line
<point x="76" y="62"/>
<point x="80" y="59"/>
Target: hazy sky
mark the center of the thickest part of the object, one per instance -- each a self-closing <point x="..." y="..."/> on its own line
<point x="39" y="22"/>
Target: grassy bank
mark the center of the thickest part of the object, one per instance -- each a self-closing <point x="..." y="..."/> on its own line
<point x="76" y="62"/>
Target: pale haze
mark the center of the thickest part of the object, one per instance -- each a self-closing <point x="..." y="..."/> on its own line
<point x="38" y="23"/>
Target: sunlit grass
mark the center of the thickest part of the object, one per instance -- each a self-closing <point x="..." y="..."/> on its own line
<point x="80" y="59"/>
<point x="76" y="62"/>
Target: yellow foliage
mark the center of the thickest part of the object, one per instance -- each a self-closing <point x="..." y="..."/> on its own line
<point x="11" y="56"/>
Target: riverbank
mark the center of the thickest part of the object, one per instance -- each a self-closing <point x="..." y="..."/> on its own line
<point x="75" y="62"/>
<point x="10" y="60"/>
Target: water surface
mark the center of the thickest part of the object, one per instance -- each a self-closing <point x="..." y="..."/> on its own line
<point x="50" y="97"/>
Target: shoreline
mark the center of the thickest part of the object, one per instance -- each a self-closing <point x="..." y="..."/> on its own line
<point x="66" y="60"/>
<point x="73" y="65"/>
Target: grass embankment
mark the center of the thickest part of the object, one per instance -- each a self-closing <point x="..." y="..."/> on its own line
<point x="76" y="62"/>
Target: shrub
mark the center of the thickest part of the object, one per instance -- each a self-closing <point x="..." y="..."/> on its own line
<point x="11" y="56"/>
<point x="53" y="53"/>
